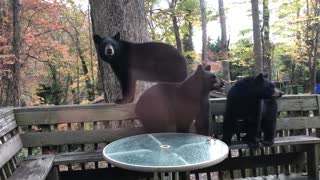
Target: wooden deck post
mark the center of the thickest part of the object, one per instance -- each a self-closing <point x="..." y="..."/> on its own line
<point x="313" y="161"/>
<point x="53" y="174"/>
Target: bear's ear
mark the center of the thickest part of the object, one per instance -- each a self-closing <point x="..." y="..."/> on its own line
<point x="199" y="69"/>
<point x="117" y="36"/>
<point x="259" y="78"/>
<point x="207" y="68"/>
<point x="97" y="39"/>
<point x="265" y="75"/>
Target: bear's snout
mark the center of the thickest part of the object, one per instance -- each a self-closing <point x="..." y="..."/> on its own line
<point x="109" y="51"/>
<point x="218" y="83"/>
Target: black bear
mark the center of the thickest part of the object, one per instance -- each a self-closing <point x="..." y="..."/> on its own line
<point x="251" y="105"/>
<point x="151" y="61"/>
<point x="177" y="104"/>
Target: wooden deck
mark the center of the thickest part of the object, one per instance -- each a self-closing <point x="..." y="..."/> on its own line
<point x="280" y="177"/>
<point x="99" y="175"/>
<point x="270" y="177"/>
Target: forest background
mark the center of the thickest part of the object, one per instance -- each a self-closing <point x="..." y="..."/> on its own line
<point x="47" y="55"/>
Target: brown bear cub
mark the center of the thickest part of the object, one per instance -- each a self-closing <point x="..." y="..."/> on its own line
<point x="178" y="104"/>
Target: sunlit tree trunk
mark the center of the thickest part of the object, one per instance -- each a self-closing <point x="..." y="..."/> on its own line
<point x="187" y="39"/>
<point x="149" y="9"/>
<point x="312" y="37"/>
<point x="258" y="65"/>
<point x="224" y="46"/>
<point x="266" y="40"/>
<point x="109" y="17"/>
<point x="204" y="31"/>
<point x="176" y="30"/>
<point x="188" y="44"/>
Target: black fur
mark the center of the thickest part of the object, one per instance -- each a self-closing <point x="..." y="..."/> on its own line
<point x="151" y="61"/>
<point x="251" y="104"/>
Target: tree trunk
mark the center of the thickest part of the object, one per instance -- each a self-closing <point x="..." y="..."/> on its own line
<point x="188" y="46"/>
<point x="176" y="30"/>
<point x="204" y="56"/>
<point x="109" y="17"/>
<point x="150" y="5"/>
<point x="187" y="39"/>
<point x="312" y="39"/>
<point x="258" y="66"/>
<point x="91" y="53"/>
<point x="5" y="33"/>
<point x="2" y="82"/>
<point x="66" y="91"/>
<point x="266" y="40"/>
<point x="224" y="47"/>
<point x="16" y="51"/>
<point x="313" y="72"/>
<point x="315" y="36"/>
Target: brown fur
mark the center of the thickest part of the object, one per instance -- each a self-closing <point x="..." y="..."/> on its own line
<point x="178" y="104"/>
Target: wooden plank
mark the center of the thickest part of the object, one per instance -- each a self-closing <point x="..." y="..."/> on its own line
<point x="289" y="123"/>
<point x="78" y="157"/>
<point x="256" y="161"/>
<point x="5" y="111"/>
<point x="288" y="140"/>
<point x="36" y="169"/>
<point x="33" y="139"/>
<point x="105" y="173"/>
<point x="297" y="103"/>
<point x="7" y="122"/>
<point x="292" y="123"/>
<point x="73" y="114"/>
<point x="313" y="161"/>
<point x="7" y="128"/>
<point x="217" y="106"/>
<point x="285" y="103"/>
<point x="9" y="149"/>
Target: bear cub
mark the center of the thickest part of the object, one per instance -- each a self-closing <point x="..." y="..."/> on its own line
<point x="167" y="105"/>
<point x="252" y="107"/>
<point x="151" y="61"/>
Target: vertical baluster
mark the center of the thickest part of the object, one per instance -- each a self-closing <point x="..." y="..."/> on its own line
<point x="3" y="174"/>
<point x="208" y="175"/>
<point x="7" y="169"/>
<point x="29" y="148"/>
<point x="196" y="175"/>
<point x="69" y="146"/>
<point x="254" y="170"/>
<point x="82" y="147"/>
<point x="243" y="172"/>
<point x="264" y="169"/>
<point x="95" y="145"/>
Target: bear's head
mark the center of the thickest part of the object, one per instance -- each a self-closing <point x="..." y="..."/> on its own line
<point x="108" y="47"/>
<point x="264" y="88"/>
<point x="208" y="79"/>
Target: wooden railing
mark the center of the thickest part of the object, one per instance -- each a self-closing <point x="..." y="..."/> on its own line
<point x="10" y="143"/>
<point x="58" y="129"/>
<point x="298" y="115"/>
